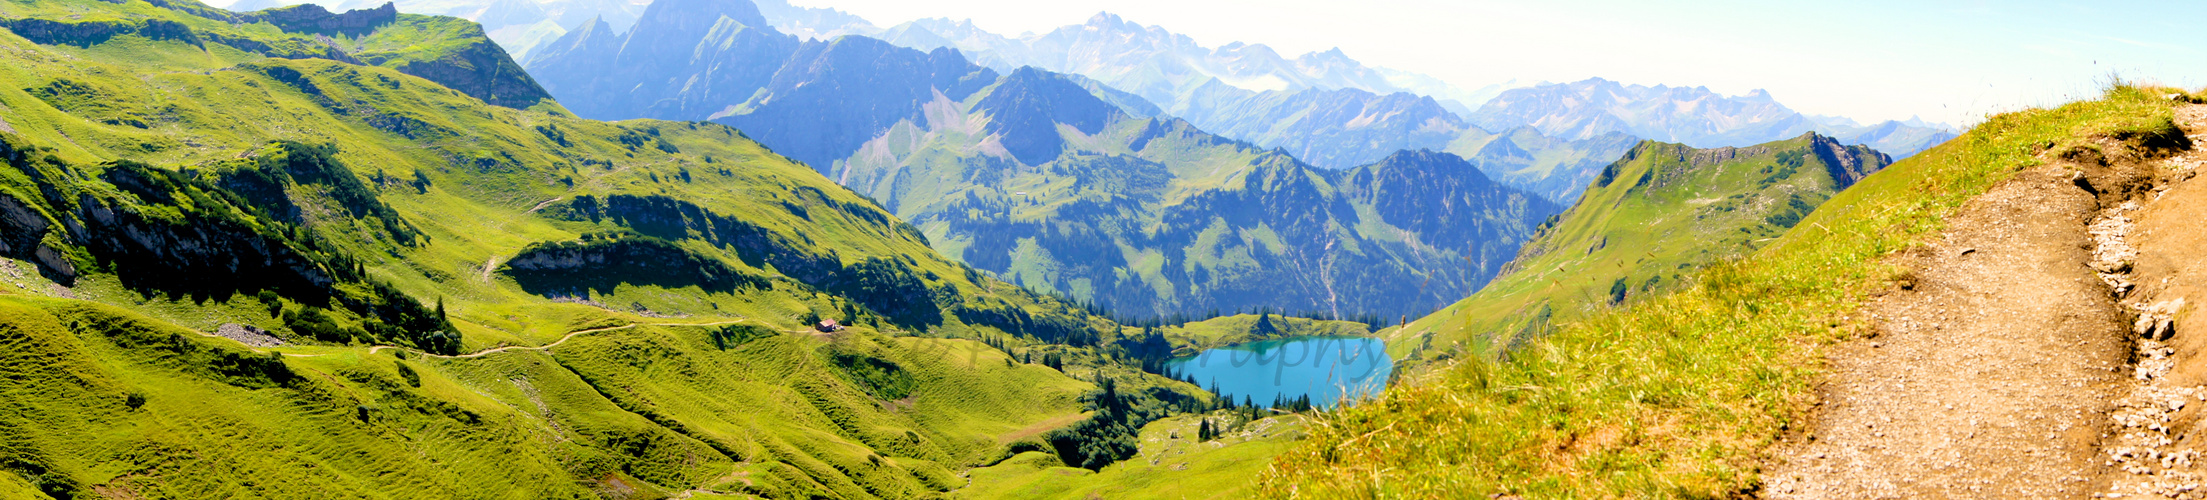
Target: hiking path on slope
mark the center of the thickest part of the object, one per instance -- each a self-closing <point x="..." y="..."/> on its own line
<point x="1993" y="369"/>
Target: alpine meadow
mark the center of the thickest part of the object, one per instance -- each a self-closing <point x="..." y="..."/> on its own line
<point x="692" y="249"/>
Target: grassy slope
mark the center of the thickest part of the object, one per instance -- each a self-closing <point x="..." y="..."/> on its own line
<point x="656" y="403"/>
<point x="1649" y="233"/>
<point x="1678" y="395"/>
<point x="1173" y="464"/>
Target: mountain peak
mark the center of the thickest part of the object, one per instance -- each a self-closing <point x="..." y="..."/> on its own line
<point x="1105" y="20"/>
<point x="1329" y="56"/>
<point x="685" y="15"/>
<point x="1027" y="106"/>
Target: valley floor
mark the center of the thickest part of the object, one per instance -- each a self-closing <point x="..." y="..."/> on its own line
<point x="2024" y="355"/>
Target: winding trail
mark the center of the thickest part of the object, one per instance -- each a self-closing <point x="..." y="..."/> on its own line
<point x="489" y="265"/>
<point x="546" y="203"/>
<point x="1995" y="369"/>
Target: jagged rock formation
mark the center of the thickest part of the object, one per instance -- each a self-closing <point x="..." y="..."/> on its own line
<point x="311" y="18"/>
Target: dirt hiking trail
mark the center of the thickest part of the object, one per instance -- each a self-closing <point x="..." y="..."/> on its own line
<point x="2002" y="366"/>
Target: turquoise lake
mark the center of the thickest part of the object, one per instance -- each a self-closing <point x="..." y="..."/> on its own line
<point x="1326" y="368"/>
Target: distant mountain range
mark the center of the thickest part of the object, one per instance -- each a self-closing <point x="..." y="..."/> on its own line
<point x="1159" y="65"/>
<point x="1693" y="116"/>
<point x="1335" y="112"/>
<point x="1323" y="107"/>
<point x="1056" y="181"/>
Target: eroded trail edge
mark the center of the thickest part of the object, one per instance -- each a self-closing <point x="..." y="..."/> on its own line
<point x="2142" y="248"/>
<point x="2002" y="366"/>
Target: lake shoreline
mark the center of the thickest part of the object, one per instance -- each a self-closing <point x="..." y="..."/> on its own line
<point x="1326" y="368"/>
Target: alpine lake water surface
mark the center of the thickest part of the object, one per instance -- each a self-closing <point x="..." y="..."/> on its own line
<point x="1328" y="369"/>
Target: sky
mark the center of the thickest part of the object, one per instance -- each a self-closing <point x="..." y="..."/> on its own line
<point x="1946" y="61"/>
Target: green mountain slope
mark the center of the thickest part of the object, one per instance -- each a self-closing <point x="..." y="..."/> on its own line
<point x="475" y="296"/>
<point x="1642" y="227"/>
<point x="1682" y="394"/>
<point x="1036" y="180"/>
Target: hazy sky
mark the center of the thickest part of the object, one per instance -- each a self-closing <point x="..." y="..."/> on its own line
<point x="1950" y="61"/>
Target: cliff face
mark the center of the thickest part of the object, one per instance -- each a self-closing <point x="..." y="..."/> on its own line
<point x="311" y="18"/>
<point x="480" y="69"/>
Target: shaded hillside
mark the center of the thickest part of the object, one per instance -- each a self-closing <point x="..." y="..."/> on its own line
<point x="232" y="274"/>
<point x="682" y="60"/>
<point x="1645" y="224"/>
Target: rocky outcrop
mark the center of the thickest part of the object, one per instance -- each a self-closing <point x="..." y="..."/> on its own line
<point x="480" y="69"/>
<point x="891" y="288"/>
<point x="313" y="19"/>
<point x="601" y="262"/>
<point x="89" y="33"/>
<point x="1847" y="164"/>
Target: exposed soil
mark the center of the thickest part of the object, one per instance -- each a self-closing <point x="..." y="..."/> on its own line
<point x="248" y="335"/>
<point x="2003" y="367"/>
<point x="2155" y="258"/>
<point x="1041" y="427"/>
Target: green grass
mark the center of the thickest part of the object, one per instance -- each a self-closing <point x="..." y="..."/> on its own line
<point x="1678" y="395"/>
<point x="660" y="407"/>
<point x="1172" y="464"/>
<point x="1191" y="338"/>
<point x="1659" y="218"/>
